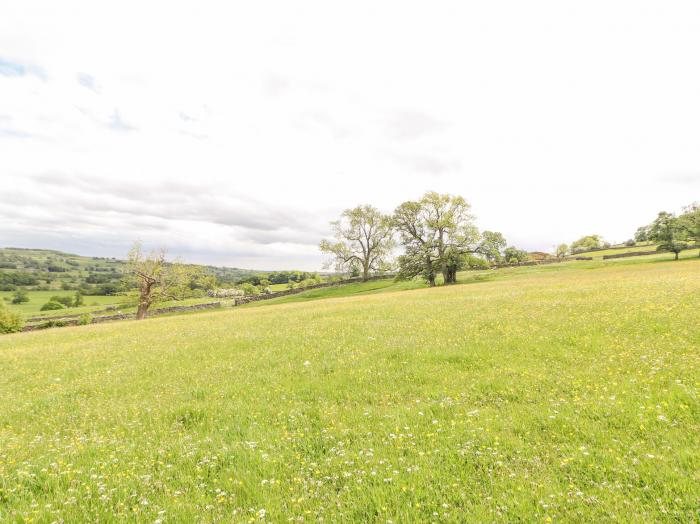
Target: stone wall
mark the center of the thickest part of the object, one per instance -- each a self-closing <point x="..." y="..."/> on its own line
<point x="66" y="321"/>
<point x="255" y="298"/>
<point x="630" y="254"/>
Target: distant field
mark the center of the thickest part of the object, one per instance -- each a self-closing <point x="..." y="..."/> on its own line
<point x="39" y="298"/>
<point x="615" y="251"/>
<point x="562" y="393"/>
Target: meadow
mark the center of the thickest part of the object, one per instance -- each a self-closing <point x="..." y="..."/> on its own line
<point x="558" y="393"/>
<point x="39" y="298"/>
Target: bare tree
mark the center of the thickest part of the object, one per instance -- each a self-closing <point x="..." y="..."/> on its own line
<point x="156" y="279"/>
<point x="363" y="237"/>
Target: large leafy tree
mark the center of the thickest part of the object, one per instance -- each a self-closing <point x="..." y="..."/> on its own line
<point x="363" y="240"/>
<point x="513" y="255"/>
<point x="492" y="245"/>
<point x="437" y="231"/>
<point x="690" y="222"/>
<point x="587" y="243"/>
<point x="156" y="279"/>
<point x="668" y="232"/>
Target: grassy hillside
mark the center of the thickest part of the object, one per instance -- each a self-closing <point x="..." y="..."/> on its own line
<point x="55" y="270"/>
<point x="558" y="393"/>
<point x="617" y="250"/>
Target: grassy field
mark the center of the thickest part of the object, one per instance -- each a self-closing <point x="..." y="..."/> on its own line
<point x="39" y="298"/>
<point x="562" y="393"/>
<point x="616" y="251"/>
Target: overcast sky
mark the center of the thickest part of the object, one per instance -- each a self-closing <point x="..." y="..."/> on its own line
<point x="232" y="132"/>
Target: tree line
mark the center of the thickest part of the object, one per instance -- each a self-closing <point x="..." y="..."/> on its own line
<point x="437" y="232"/>
<point x="670" y="232"/>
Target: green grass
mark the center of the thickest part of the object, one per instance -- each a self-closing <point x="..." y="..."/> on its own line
<point x="616" y="251"/>
<point x="344" y="290"/>
<point x="566" y="393"/>
<point x="39" y="298"/>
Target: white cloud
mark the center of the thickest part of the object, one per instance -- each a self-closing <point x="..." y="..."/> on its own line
<point x="232" y="132"/>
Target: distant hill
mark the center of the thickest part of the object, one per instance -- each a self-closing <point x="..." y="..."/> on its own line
<point x="46" y="269"/>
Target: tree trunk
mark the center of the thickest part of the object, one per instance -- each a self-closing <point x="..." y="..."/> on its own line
<point x="676" y="255"/>
<point x="142" y="310"/>
<point x="365" y="272"/>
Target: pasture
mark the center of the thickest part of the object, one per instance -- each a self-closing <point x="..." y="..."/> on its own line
<point x="557" y="393"/>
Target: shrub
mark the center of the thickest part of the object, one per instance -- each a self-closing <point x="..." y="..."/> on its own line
<point x="78" y="299"/>
<point x="66" y="301"/>
<point x="631" y="243"/>
<point x="472" y="262"/>
<point x="250" y="289"/>
<point x="20" y="297"/>
<point x="51" y="306"/>
<point x="9" y="322"/>
<point x="85" y="319"/>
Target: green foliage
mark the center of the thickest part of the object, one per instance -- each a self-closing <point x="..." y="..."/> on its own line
<point x="363" y="239"/>
<point x="65" y="300"/>
<point x="84" y="319"/>
<point x="587" y="243"/>
<point x="689" y="221"/>
<point x="436" y="232"/>
<point x="514" y="255"/>
<point x="157" y="280"/>
<point x="642" y="234"/>
<point x="668" y="232"/>
<point x="492" y="245"/>
<point x="562" y="250"/>
<point x="250" y="289"/>
<point x="52" y="306"/>
<point x="20" y="297"/>
<point x="9" y="322"/>
<point x="473" y="262"/>
<point x="78" y="299"/>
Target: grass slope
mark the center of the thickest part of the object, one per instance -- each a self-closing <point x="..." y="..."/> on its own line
<point x="562" y="394"/>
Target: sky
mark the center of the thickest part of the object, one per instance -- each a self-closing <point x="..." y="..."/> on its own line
<point x="231" y="133"/>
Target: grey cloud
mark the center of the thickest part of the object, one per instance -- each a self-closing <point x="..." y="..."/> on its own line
<point x="17" y="68"/>
<point x="15" y="133"/>
<point x="88" y="81"/>
<point x="408" y="125"/>
<point x="173" y="201"/>
<point x="117" y="123"/>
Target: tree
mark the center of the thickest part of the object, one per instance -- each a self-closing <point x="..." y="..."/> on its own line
<point x="9" y="322"/>
<point x="668" y="231"/>
<point x="642" y="234"/>
<point x="363" y="238"/>
<point x="419" y="256"/>
<point x="513" y="255"/>
<point x="156" y="279"/>
<point x="20" y="297"/>
<point x="437" y="232"/>
<point x="587" y="243"/>
<point x="562" y="250"/>
<point x="690" y="222"/>
<point x="492" y="245"/>
<point x="454" y="230"/>
<point x="78" y="299"/>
